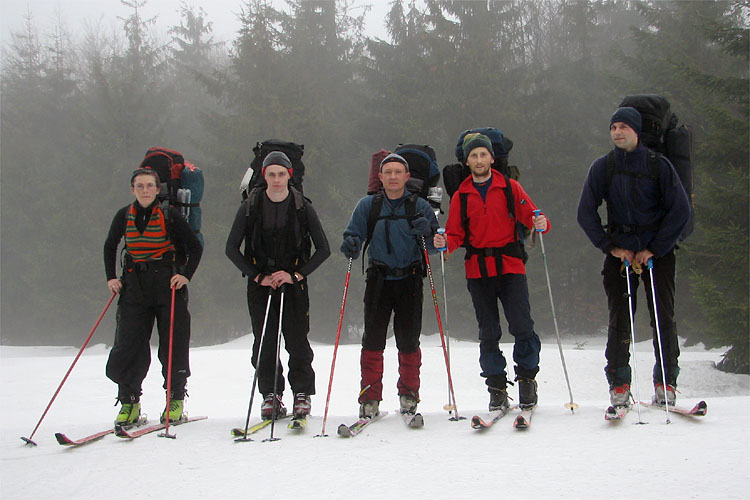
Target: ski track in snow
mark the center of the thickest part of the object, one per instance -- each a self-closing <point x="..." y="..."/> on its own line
<point x="562" y="455"/>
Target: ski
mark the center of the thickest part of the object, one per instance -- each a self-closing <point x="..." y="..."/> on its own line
<point x="616" y="412"/>
<point x="239" y="432"/>
<point x="413" y="420"/>
<point x="523" y="421"/>
<point x="699" y="410"/>
<point x="478" y="422"/>
<point x="358" y="426"/>
<point x="124" y="433"/>
<point x="298" y="423"/>
<point x="64" y="440"/>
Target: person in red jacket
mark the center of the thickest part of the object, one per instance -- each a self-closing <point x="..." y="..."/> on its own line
<point x="483" y="218"/>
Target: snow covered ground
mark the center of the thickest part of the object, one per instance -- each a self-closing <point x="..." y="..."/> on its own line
<point x="562" y="455"/>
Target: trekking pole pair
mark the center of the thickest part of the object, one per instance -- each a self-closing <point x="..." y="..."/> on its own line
<point x="28" y="440"/>
<point x="245" y="437"/>
<point x="335" y="348"/>
<point x="650" y="266"/>
<point x="570" y="405"/>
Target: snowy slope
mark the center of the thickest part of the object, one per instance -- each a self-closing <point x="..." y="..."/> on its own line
<point x="563" y="455"/>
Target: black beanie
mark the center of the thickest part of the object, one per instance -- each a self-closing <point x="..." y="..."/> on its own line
<point x="630" y="116"/>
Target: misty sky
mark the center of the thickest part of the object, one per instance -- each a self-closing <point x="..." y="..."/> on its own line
<point x="76" y="14"/>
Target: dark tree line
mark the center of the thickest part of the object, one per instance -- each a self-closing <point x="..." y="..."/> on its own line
<point x="78" y="112"/>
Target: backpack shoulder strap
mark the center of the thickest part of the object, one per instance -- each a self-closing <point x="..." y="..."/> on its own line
<point x="464" y="199"/>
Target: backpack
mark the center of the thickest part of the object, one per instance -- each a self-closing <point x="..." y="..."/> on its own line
<point x="423" y="180"/>
<point x="454" y="174"/>
<point x="181" y="185"/>
<point x="660" y="133"/>
<point x="253" y="177"/>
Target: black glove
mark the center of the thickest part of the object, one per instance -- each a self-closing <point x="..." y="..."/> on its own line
<point x="421" y="227"/>
<point x="351" y="246"/>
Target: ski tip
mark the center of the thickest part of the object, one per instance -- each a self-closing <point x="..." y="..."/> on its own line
<point x="28" y="441"/>
<point x="344" y="431"/>
<point x="62" y="439"/>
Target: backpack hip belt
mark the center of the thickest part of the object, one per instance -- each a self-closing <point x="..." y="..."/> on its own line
<point x="511" y="250"/>
<point x="398" y="272"/>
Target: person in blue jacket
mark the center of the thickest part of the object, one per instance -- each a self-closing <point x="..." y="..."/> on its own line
<point x="647" y="210"/>
<point x="404" y="222"/>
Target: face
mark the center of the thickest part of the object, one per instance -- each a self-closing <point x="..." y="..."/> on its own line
<point x="394" y="175"/>
<point x="480" y="162"/>
<point x="277" y="178"/>
<point x="145" y="189"/>
<point x="623" y="136"/>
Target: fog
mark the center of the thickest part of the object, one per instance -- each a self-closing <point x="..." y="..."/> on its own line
<point x="84" y="98"/>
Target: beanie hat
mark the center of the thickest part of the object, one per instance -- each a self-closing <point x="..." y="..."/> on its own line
<point x="393" y="157"/>
<point x="629" y="116"/>
<point x="476" y="140"/>
<point x="277" y="158"/>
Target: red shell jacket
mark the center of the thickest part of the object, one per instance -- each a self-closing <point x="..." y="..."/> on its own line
<point x="490" y="224"/>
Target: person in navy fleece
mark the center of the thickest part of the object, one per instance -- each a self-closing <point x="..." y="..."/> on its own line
<point x="647" y="209"/>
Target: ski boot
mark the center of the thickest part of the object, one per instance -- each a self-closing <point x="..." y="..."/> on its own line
<point x="128" y="415"/>
<point x="498" y="399"/>
<point x="526" y="393"/>
<point x="663" y="397"/>
<point x="302" y="405"/>
<point x="175" y="411"/>
<point x="369" y="409"/>
<point x="619" y="396"/>
<point x="267" y="408"/>
<point x="408" y="404"/>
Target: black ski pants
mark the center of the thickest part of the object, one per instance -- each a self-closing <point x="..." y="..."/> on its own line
<point x="295" y="326"/>
<point x="146" y="297"/>
<point x="618" y="337"/>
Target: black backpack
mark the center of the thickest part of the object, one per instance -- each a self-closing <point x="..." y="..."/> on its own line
<point x="660" y="133"/>
<point x="454" y="174"/>
<point x="253" y="177"/>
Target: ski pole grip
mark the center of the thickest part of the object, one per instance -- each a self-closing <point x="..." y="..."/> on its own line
<point x="537" y="212"/>
<point x="650" y="263"/>
<point x="441" y="230"/>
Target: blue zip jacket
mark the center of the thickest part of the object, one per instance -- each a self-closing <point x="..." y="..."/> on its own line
<point x="407" y="248"/>
<point x="634" y="200"/>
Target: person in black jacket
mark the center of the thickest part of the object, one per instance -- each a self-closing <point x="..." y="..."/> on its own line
<point x="155" y="262"/>
<point x="647" y="210"/>
<point x="276" y="225"/>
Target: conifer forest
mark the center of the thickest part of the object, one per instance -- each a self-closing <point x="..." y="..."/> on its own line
<point x="79" y="108"/>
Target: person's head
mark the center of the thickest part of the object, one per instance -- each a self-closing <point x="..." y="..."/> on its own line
<point x="479" y="156"/>
<point x="277" y="170"/>
<point x="625" y="127"/>
<point x="394" y="172"/>
<point x="145" y="186"/>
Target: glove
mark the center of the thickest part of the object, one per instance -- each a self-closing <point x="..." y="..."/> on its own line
<point x="351" y="246"/>
<point x="421" y="227"/>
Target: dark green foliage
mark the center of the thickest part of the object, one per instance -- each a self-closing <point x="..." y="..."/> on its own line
<point x="78" y="116"/>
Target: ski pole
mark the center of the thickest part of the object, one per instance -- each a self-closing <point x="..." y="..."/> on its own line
<point x="169" y="369"/>
<point x="632" y="339"/>
<point x="276" y="369"/>
<point x="85" y="343"/>
<point x="451" y="404"/>
<point x="570" y="405"/>
<point x="257" y="363"/>
<point x="658" y="334"/>
<point x="440" y="329"/>
<point x="335" y="349"/>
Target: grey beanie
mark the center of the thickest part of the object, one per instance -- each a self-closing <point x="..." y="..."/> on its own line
<point x="277" y="158"/>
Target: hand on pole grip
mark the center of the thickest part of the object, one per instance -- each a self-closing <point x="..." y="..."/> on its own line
<point x="537" y="214"/>
<point x="441" y="232"/>
<point x="650" y="264"/>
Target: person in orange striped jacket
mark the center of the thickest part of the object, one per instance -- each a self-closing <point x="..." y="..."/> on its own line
<point x="161" y="252"/>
